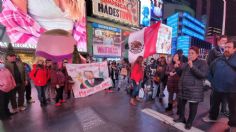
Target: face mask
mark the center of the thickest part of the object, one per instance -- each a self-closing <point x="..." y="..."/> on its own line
<point x="2" y="66"/>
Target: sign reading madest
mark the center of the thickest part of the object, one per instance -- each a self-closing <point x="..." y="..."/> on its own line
<point x="124" y="11"/>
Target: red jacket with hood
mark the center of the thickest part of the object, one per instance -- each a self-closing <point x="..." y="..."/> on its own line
<point x="39" y="76"/>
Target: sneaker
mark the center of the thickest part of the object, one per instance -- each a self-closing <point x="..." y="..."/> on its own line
<point x="225" y="113"/>
<point x="110" y="91"/>
<point x="22" y="108"/>
<point x="14" y="111"/>
<point x="62" y="101"/>
<point x="31" y="101"/>
<point x="58" y="104"/>
<point x="207" y="119"/>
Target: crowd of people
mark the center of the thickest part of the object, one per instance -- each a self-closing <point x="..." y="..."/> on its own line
<point x="49" y="78"/>
<point x="185" y="77"/>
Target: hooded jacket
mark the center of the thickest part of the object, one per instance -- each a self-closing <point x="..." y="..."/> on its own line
<point x="39" y="76"/>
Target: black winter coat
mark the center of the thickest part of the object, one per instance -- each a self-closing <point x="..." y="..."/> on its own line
<point x="191" y="80"/>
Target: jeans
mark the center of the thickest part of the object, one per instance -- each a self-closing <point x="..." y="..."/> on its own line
<point x="217" y="98"/>
<point x="155" y="89"/>
<point x="123" y="82"/>
<point x="20" y="90"/>
<point x="59" y="95"/>
<point x="4" y="101"/>
<point x="41" y="94"/>
<point x="28" y="91"/>
<point x="162" y="88"/>
<point x="136" y="89"/>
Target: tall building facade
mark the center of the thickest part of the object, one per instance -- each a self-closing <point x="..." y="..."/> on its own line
<point x="211" y="11"/>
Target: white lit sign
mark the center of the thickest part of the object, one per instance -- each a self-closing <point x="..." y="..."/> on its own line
<point x="23" y="46"/>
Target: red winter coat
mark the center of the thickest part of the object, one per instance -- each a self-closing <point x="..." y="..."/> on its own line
<point x="39" y="76"/>
<point x="137" y="73"/>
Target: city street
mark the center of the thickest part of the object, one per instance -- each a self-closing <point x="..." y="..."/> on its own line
<point x="101" y="112"/>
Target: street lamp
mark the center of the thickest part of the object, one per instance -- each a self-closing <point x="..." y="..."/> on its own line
<point x="224" y="18"/>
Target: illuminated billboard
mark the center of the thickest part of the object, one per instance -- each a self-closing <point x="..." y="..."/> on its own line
<point x="145" y="13"/>
<point x="183" y="42"/>
<point x="156" y="10"/>
<point x="123" y="11"/>
<point x="106" y="41"/>
<point x="173" y="21"/>
<point x="185" y="24"/>
<point x="28" y="21"/>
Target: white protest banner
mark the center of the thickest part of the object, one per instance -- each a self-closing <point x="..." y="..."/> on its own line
<point x="89" y="78"/>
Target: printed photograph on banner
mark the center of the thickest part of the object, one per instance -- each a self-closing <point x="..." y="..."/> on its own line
<point x="164" y="39"/>
<point x="106" y="41"/>
<point x="89" y="78"/>
<point x="24" y="21"/>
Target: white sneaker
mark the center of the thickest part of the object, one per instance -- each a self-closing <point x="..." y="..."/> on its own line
<point x="207" y="119"/>
<point x="14" y="111"/>
<point x="22" y="108"/>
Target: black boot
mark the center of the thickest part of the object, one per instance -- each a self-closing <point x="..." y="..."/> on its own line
<point x="170" y="107"/>
<point x="188" y="126"/>
<point x="180" y="119"/>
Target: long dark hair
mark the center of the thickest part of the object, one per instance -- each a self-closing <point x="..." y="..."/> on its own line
<point x="163" y="59"/>
<point x="173" y="62"/>
<point x="139" y="60"/>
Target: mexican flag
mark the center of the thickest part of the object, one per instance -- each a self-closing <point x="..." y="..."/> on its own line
<point x="150" y="40"/>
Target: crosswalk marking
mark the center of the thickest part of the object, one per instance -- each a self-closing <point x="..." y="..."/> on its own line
<point x="169" y="120"/>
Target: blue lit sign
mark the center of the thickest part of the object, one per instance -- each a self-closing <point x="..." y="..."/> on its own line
<point x="193" y="26"/>
<point x="194" y="20"/>
<point x="96" y="25"/>
<point x="191" y="33"/>
<point x="183" y="42"/>
<point x="176" y="15"/>
<point x="173" y="21"/>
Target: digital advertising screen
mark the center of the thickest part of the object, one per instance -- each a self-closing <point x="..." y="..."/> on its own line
<point x="145" y="13"/>
<point x="106" y="41"/>
<point x="156" y="10"/>
<point x="24" y="22"/>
